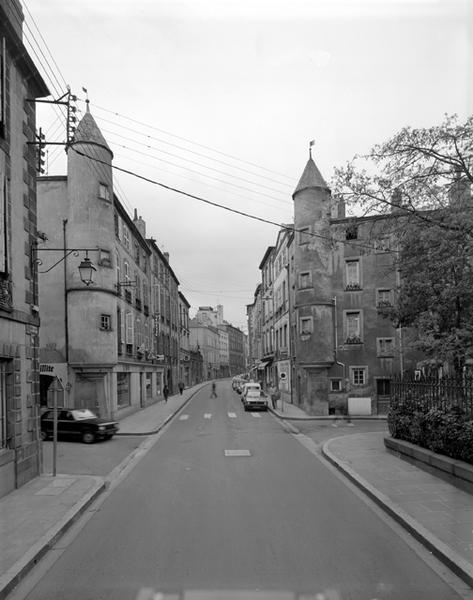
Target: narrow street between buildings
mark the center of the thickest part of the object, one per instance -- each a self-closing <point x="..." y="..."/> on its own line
<point x="229" y="500"/>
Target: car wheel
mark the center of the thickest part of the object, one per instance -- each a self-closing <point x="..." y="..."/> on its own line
<point x="44" y="436"/>
<point x="88" y="437"/>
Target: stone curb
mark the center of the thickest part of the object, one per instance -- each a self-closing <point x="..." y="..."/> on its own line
<point x="166" y="420"/>
<point x="17" y="572"/>
<point x="447" y="555"/>
<point x="288" y="427"/>
<point x="452" y="466"/>
<point x="282" y="415"/>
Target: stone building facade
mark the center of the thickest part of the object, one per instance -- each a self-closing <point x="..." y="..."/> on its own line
<point x="321" y="293"/>
<point x="113" y="344"/>
<point x="20" y="84"/>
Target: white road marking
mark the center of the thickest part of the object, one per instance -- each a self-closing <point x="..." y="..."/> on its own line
<point x="237" y="453"/>
<point x="207" y="415"/>
<point x="183" y="417"/>
<point x="232" y="415"/>
<point x="257" y="415"/>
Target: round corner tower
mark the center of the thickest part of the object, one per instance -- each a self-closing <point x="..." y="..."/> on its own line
<point x="314" y="340"/>
<point x="90" y="225"/>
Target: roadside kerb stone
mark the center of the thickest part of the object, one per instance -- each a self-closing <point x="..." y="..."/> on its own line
<point x="447" y="555"/>
<point x="288" y="417"/>
<point x="166" y="420"/>
<point x="17" y="572"/>
<point x="457" y="468"/>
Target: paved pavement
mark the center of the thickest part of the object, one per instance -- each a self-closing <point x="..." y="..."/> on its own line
<point x="436" y="511"/>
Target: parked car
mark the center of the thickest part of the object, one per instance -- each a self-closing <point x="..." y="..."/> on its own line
<point x="237" y="384"/>
<point x="247" y="386"/>
<point x="255" y="400"/>
<point x="79" y="423"/>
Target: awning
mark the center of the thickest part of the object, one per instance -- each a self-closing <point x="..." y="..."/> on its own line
<point x="262" y="364"/>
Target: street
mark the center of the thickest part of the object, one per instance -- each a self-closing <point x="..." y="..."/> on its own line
<point x="228" y="500"/>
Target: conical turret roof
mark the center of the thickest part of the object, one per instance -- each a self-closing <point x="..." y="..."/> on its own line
<point x="311" y="178"/>
<point x="88" y="131"/>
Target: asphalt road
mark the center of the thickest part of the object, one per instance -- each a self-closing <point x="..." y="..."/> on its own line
<point x="190" y="517"/>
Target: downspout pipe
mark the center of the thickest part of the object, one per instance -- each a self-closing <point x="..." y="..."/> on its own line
<point x="335" y="346"/>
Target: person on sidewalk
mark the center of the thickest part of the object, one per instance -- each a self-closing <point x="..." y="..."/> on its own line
<point x="181" y="387"/>
<point x="273" y="391"/>
<point x="165" y="393"/>
<point x="214" y="390"/>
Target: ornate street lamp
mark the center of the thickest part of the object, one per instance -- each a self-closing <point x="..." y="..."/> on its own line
<point x="86" y="270"/>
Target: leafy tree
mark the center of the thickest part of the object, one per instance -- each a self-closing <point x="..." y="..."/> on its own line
<point x="420" y="180"/>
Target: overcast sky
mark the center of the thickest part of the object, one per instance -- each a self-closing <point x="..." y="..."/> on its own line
<point x="220" y="99"/>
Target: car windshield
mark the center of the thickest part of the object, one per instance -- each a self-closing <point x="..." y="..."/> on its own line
<point x="83" y="413"/>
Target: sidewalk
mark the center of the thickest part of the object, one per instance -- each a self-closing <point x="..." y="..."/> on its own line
<point x="35" y="516"/>
<point x="286" y="410"/>
<point x="433" y="509"/>
<point x="151" y="419"/>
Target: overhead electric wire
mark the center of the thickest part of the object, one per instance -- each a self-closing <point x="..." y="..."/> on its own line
<point x="48" y="71"/>
<point x="188" y="178"/>
<point x="191" y="141"/>
<point x="227" y="208"/>
<point x="236" y="185"/>
<point x="193" y="162"/>
<point x="160" y="140"/>
<point x="45" y="44"/>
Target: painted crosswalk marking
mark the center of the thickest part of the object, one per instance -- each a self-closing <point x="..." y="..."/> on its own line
<point x="237" y="453"/>
<point x="232" y="415"/>
<point x="207" y="415"/>
<point x="183" y="417"/>
<point x="257" y="415"/>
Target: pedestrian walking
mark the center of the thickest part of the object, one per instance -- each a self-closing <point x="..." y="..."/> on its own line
<point x="165" y="393"/>
<point x="214" y="390"/>
<point x="274" y="394"/>
<point x="181" y="387"/>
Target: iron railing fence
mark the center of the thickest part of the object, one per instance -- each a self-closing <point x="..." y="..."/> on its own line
<point x="427" y="393"/>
